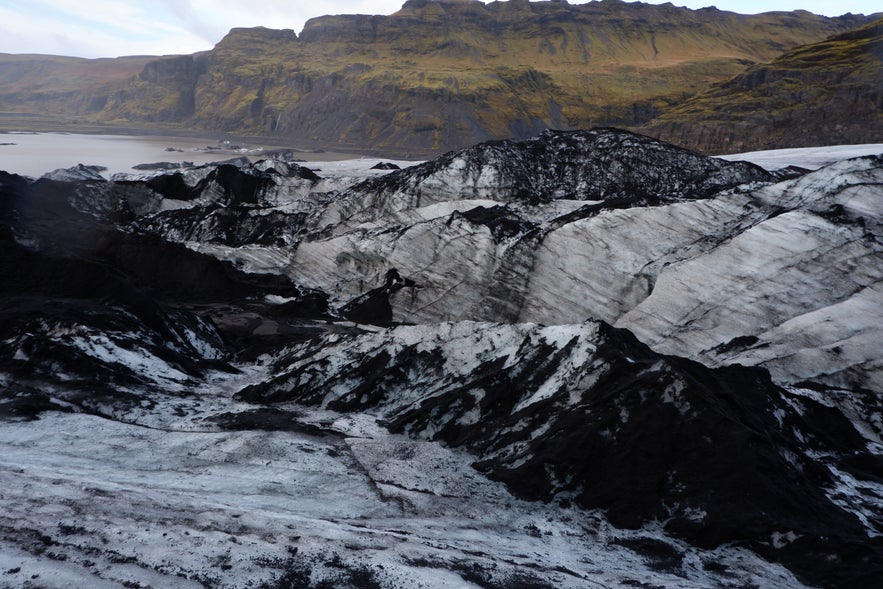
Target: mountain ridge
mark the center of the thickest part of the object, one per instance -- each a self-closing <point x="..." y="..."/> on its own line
<point x="438" y="76"/>
<point x="836" y="84"/>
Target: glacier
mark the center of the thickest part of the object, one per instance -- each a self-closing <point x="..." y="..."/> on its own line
<point x="590" y="359"/>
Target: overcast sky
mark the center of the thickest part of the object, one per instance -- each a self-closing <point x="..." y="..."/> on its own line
<point x="110" y="28"/>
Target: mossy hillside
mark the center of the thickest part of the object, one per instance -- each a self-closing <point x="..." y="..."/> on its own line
<point x="516" y="67"/>
<point x="439" y="75"/>
<point x="831" y="91"/>
<point x="63" y="85"/>
<point x="556" y="36"/>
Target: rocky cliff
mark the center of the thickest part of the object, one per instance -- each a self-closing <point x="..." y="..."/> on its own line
<point x="823" y="93"/>
<point x="441" y="75"/>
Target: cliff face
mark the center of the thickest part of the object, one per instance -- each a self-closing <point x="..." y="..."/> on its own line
<point x="824" y="93"/>
<point x="167" y="85"/>
<point x="441" y="75"/>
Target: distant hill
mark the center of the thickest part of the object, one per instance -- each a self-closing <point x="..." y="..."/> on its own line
<point x="59" y="85"/>
<point x="824" y="93"/>
<point x="435" y="75"/>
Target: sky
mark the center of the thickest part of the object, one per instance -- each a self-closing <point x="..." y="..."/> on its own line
<point x="111" y="28"/>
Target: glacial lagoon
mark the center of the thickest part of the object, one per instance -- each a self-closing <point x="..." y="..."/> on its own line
<point x="34" y="154"/>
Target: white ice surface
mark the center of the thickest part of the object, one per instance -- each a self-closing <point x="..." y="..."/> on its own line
<point x="805" y="157"/>
<point x="169" y="500"/>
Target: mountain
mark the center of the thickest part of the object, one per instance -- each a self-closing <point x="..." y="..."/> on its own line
<point x="587" y="358"/>
<point x="49" y="84"/>
<point x="441" y="75"/>
<point x="817" y="94"/>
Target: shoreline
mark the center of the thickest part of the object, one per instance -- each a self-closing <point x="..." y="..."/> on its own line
<point x="35" y="153"/>
<point x="11" y="123"/>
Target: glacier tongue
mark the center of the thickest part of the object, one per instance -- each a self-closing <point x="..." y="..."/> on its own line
<point x="587" y="359"/>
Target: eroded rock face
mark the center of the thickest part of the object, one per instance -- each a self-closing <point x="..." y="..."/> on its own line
<point x="343" y="80"/>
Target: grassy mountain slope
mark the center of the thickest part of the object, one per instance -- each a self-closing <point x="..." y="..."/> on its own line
<point x="443" y="74"/>
<point x="822" y="93"/>
<point x="62" y="85"/>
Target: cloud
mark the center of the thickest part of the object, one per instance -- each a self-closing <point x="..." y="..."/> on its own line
<point x="191" y="19"/>
<point x="92" y="28"/>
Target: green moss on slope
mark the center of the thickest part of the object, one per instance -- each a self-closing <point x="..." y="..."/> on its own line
<point x="440" y="75"/>
<point x="822" y="93"/>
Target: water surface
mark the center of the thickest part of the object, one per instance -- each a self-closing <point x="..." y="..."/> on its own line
<point x="34" y="154"/>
